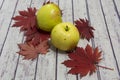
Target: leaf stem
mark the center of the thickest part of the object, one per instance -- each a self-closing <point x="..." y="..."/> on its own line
<point x="105" y="67"/>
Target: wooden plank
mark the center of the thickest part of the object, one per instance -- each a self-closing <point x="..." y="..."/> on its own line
<point x="37" y="3"/>
<point x="5" y="18"/>
<point x="47" y="63"/>
<point x="117" y="7"/>
<point x="46" y="66"/>
<point x="113" y="25"/>
<point x="102" y="39"/>
<point x="66" y="6"/>
<point x="80" y="11"/>
<point x="9" y="58"/>
<point x="1" y="3"/>
<point x="26" y="68"/>
<point x="114" y="31"/>
<point x="49" y="67"/>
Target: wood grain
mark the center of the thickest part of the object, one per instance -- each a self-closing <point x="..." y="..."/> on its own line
<point x="26" y="68"/>
<point x="67" y="17"/>
<point x="104" y="16"/>
<point x="102" y="40"/>
<point x="81" y="12"/>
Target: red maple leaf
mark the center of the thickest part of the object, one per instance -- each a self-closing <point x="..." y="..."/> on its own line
<point x="26" y="19"/>
<point x="35" y="35"/>
<point x="85" y="29"/>
<point x="83" y="61"/>
<point x="28" y="23"/>
<point x="29" y="51"/>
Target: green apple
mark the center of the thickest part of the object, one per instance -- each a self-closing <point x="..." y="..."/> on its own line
<point x="48" y="16"/>
<point x="65" y="36"/>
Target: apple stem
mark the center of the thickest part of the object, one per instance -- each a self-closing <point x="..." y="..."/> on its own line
<point x="66" y="28"/>
<point x="105" y="67"/>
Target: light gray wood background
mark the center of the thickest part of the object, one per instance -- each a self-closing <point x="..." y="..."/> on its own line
<point x="104" y="16"/>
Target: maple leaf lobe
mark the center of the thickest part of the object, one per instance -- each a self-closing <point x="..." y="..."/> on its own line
<point x="84" y="28"/>
<point x="26" y="19"/>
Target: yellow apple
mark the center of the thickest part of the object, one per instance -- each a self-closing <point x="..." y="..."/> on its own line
<point x="48" y="16"/>
<point x="65" y="36"/>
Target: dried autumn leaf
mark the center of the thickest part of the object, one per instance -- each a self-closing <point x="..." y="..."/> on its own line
<point x="28" y="23"/>
<point x="83" y="61"/>
<point x="35" y="35"/>
<point x="31" y="52"/>
<point x="26" y="19"/>
<point x="85" y="29"/>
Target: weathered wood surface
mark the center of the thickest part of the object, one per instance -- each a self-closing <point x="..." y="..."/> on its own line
<point x="104" y="16"/>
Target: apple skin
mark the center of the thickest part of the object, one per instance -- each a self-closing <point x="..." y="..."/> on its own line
<point x="48" y="16"/>
<point x="65" y="36"/>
